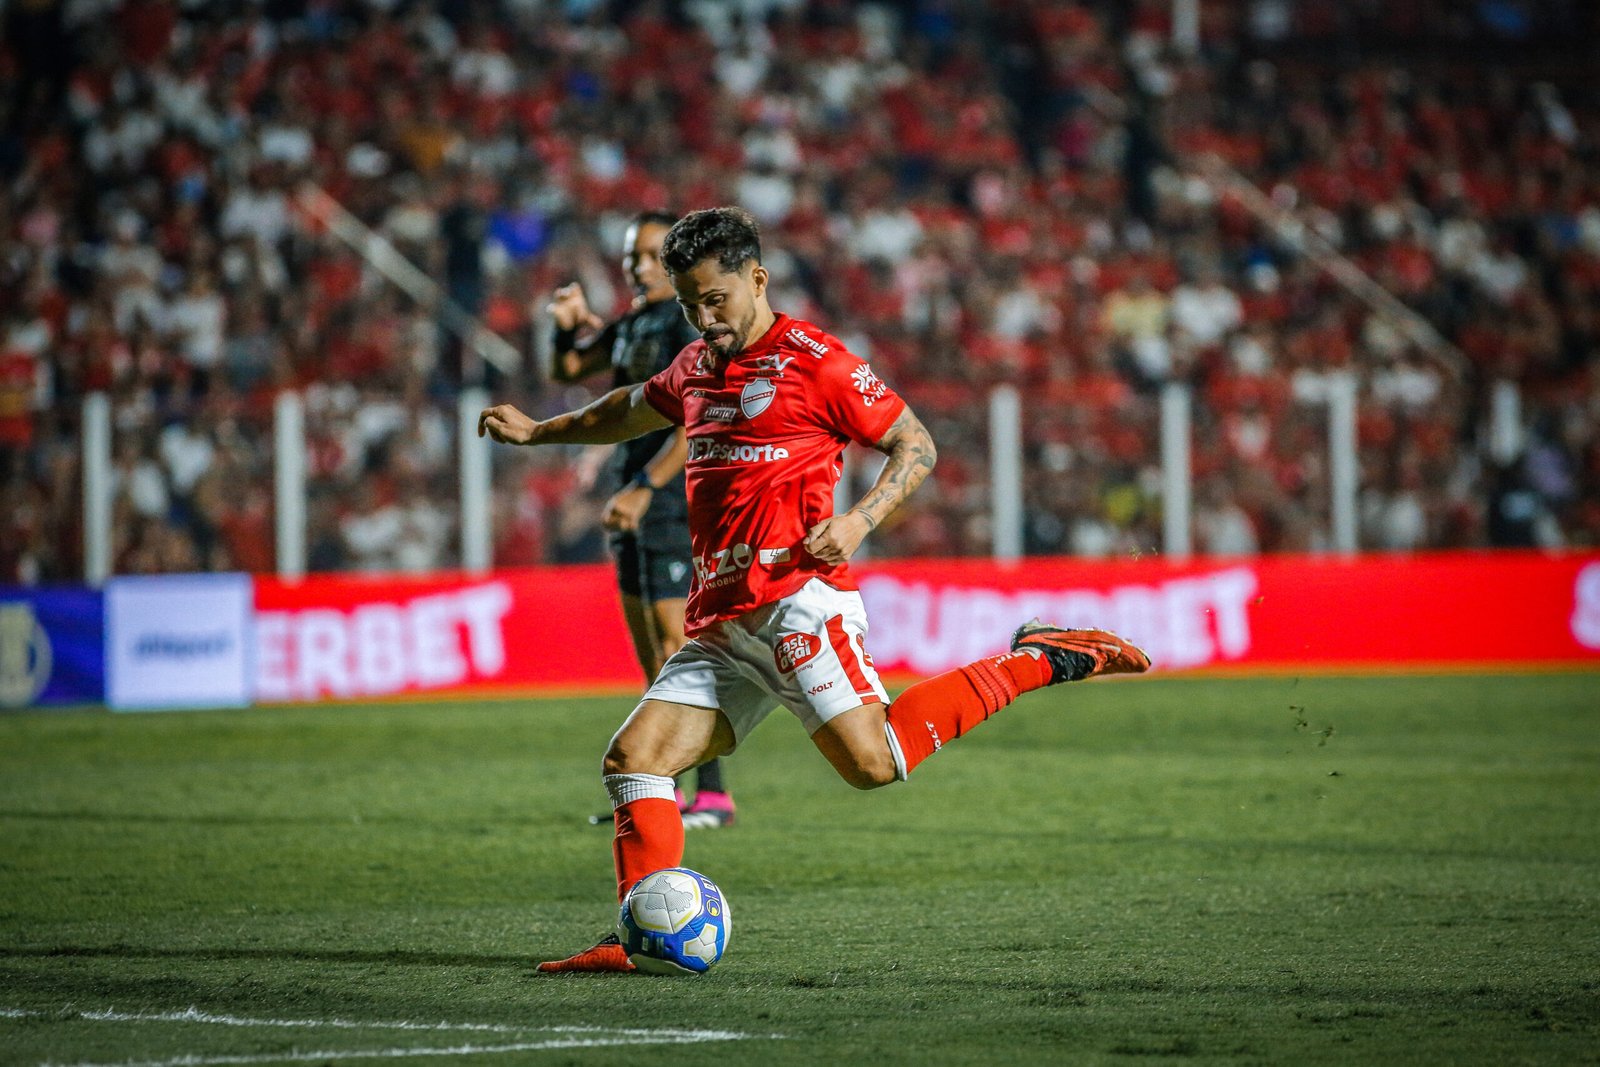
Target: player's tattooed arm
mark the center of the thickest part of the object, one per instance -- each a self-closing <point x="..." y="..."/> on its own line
<point x="912" y="455"/>
<point x="619" y="415"/>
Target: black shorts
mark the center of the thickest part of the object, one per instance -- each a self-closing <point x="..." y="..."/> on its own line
<point x="654" y="563"/>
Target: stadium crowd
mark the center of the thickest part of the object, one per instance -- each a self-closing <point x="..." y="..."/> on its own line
<point x="968" y="193"/>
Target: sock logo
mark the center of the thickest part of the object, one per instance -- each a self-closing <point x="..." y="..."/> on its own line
<point x="937" y="744"/>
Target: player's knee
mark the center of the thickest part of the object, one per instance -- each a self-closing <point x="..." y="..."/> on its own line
<point x="621" y="759"/>
<point x="636" y="756"/>
<point x="871" y="772"/>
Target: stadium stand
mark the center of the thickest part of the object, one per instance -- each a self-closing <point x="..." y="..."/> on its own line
<point x="970" y="194"/>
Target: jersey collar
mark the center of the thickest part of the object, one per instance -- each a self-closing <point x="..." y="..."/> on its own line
<point x="767" y="341"/>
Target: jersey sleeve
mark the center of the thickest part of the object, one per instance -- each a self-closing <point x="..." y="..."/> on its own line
<point x="664" y="391"/>
<point x="852" y="400"/>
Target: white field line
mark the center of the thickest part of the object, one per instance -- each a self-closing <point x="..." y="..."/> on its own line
<point x="194" y="1015"/>
<point x="334" y="1055"/>
<point x="574" y="1036"/>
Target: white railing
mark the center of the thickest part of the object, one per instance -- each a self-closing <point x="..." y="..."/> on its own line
<point x="1005" y="414"/>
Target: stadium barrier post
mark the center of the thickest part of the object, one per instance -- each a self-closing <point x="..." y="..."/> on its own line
<point x="96" y="489"/>
<point x="1005" y="472"/>
<point x="1342" y="459"/>
<point x="1177" y="476"/>
<point x="477" y="549"/>
<point x="289" y="477"/>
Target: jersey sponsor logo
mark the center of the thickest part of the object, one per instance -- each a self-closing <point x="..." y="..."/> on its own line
<point x="774" y="364"/>
<point x="794" y="651"/>
<point x="709" y="449"/>
<point x="722" y="566"/>
<point x="756" y="396"/>
<point x="869" y="385"/>
<point x="769" y="556"/>
<point x="817" y="348"/>
<point x="721" y="413"/>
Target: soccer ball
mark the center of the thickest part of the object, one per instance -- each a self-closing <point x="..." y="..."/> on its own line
<point x="674" y="922"/>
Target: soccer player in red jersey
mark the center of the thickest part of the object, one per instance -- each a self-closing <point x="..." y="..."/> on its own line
<point x="773" y="616"/>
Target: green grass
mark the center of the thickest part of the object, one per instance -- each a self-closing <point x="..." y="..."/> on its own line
<point x="1262" y="871"/>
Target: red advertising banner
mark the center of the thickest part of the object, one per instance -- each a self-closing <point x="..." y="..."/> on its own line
<point x="561" y="627"/>
<point x="1435" y="611"/>
<point x="546" y="627"/>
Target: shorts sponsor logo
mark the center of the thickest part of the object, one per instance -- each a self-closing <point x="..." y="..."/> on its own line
<point x="756" y="396"/>
<point x="814" y="690"/>
<point x="817" y="348"/>
<point x="794" y="651"/>
<point x="711" y="450"/>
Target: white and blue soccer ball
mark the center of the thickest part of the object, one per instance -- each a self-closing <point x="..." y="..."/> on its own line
<point x="674" y="921"/>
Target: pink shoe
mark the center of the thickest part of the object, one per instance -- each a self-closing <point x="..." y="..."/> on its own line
<point x="710" y="811"/>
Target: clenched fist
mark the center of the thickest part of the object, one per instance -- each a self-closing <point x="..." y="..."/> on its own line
<point x="834" y="540"/>
<point x="570" y="309"/>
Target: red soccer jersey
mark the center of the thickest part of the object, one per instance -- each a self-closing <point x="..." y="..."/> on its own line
<point x="766" y="435"/>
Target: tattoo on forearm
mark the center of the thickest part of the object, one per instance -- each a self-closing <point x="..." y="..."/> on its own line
<point x="911" y="459"/>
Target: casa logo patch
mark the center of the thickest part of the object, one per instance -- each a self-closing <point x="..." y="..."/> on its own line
<point x="756" y="396"/>
<point x="795" y="651"/>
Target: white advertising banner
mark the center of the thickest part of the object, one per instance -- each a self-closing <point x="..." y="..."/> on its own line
<point x="179" y="641"/>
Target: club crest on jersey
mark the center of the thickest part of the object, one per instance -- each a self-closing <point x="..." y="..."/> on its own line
<point x="756" y="396"/>
<point x="794" y="651"/>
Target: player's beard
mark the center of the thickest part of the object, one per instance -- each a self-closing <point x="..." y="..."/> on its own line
<point x="739" y="337"/>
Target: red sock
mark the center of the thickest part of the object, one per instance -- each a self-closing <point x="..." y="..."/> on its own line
<point x="649" y="838"/>
<point x="943" y="708"/>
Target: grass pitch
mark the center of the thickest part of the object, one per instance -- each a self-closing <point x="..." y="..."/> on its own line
<point x="1224" y="871"/>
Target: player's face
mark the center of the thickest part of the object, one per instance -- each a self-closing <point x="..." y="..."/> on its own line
<point x="728" y="309"/>
<point x="641" y="261"/>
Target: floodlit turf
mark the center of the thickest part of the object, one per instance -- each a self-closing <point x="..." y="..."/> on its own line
<point x="1268" y="871"/>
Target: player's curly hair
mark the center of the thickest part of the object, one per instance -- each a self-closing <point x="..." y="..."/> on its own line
<point x="729" y="235"/>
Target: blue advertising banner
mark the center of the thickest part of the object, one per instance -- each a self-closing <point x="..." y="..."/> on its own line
<point x="52" y="647"/>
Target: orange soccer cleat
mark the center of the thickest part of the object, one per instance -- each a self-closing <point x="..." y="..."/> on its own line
<point x="607" y="957"/>
<point x="1077" y="654"/>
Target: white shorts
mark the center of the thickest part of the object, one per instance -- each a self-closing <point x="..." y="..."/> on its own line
<point x="807" y="652"/>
